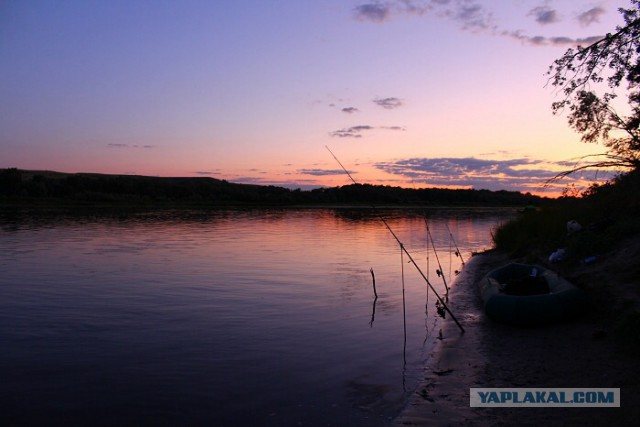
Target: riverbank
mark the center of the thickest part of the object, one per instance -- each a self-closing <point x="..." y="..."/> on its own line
<point x="585" y="352"/>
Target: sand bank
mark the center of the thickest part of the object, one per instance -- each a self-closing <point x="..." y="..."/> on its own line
<point x="580" y="353"/>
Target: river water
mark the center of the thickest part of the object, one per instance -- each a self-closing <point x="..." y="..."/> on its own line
<point x="222" y="318"/>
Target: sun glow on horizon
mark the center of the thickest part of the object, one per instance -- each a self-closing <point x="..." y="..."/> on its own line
<point x="223" y="91"/>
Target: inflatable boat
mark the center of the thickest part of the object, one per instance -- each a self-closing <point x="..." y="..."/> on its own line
<point x="529" y="295"/>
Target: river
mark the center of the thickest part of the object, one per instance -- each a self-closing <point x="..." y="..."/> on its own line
<point x="223" y="318"/>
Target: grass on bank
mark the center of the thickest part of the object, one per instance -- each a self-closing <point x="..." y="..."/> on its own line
<point x="603" y="258"/>
<point x="608" y="214"/>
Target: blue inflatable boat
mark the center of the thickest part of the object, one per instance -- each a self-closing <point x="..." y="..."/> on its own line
<point x="529" y="295"/>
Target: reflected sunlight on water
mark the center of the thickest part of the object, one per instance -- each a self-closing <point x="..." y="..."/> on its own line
<point x="254" y="317"/>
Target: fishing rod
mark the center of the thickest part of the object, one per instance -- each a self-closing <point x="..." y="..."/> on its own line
<point x="439" y="272"/>
<point x="386" y="224"/>
<point x="457" y="253"/>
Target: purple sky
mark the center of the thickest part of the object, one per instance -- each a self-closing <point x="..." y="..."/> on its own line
<point x="405" y="92"/>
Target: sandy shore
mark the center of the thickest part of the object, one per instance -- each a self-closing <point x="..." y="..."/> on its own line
<point x="580" y="353"/>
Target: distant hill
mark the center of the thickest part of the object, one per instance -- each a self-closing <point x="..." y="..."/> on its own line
<point x="25" y="186"/>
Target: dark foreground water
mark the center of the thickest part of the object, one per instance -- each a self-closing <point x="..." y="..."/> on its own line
<point x="223" y="318"/>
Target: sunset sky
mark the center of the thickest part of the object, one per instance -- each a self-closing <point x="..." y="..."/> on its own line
<point x="405" y="92"/>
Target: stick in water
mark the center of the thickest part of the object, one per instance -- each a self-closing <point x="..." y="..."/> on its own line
<point x="403" y="248"/>
<point x="374" y="283"/>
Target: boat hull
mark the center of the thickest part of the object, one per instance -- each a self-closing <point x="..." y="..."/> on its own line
<point x="563" y="301"/>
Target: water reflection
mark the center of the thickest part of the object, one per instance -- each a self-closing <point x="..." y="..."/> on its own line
<point x="216" y="317"/>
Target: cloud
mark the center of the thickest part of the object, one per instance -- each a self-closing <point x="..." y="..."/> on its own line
<point x="476" y="16"/>
<point x="350" y="110"/>
<point x="388" y="103"/>
<point x="114" y="145"/>
<point x="545" y="15"/>
<point x="303" y="184"/>
<point x="375" y="12"/>
<point x="322" y="172"/>
<point x="380" y="11"/>
<point x="570" y="41"/>
<point x="352" y="132"/>
<point x="415" y="7"/>
<point x="248" y="180"/>
<point x="471" y="16"/>
<point x="552" y="41"/>
<point x="356" y="131"/>
<point x="590" y="16"/>
<point x="208" y="172"/>
<point x="516" y="174"/>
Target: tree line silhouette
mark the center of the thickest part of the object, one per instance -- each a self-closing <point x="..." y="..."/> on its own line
<point x="53" y="187"/>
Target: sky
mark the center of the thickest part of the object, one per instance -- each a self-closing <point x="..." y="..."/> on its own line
<point x="412" y="93"/>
